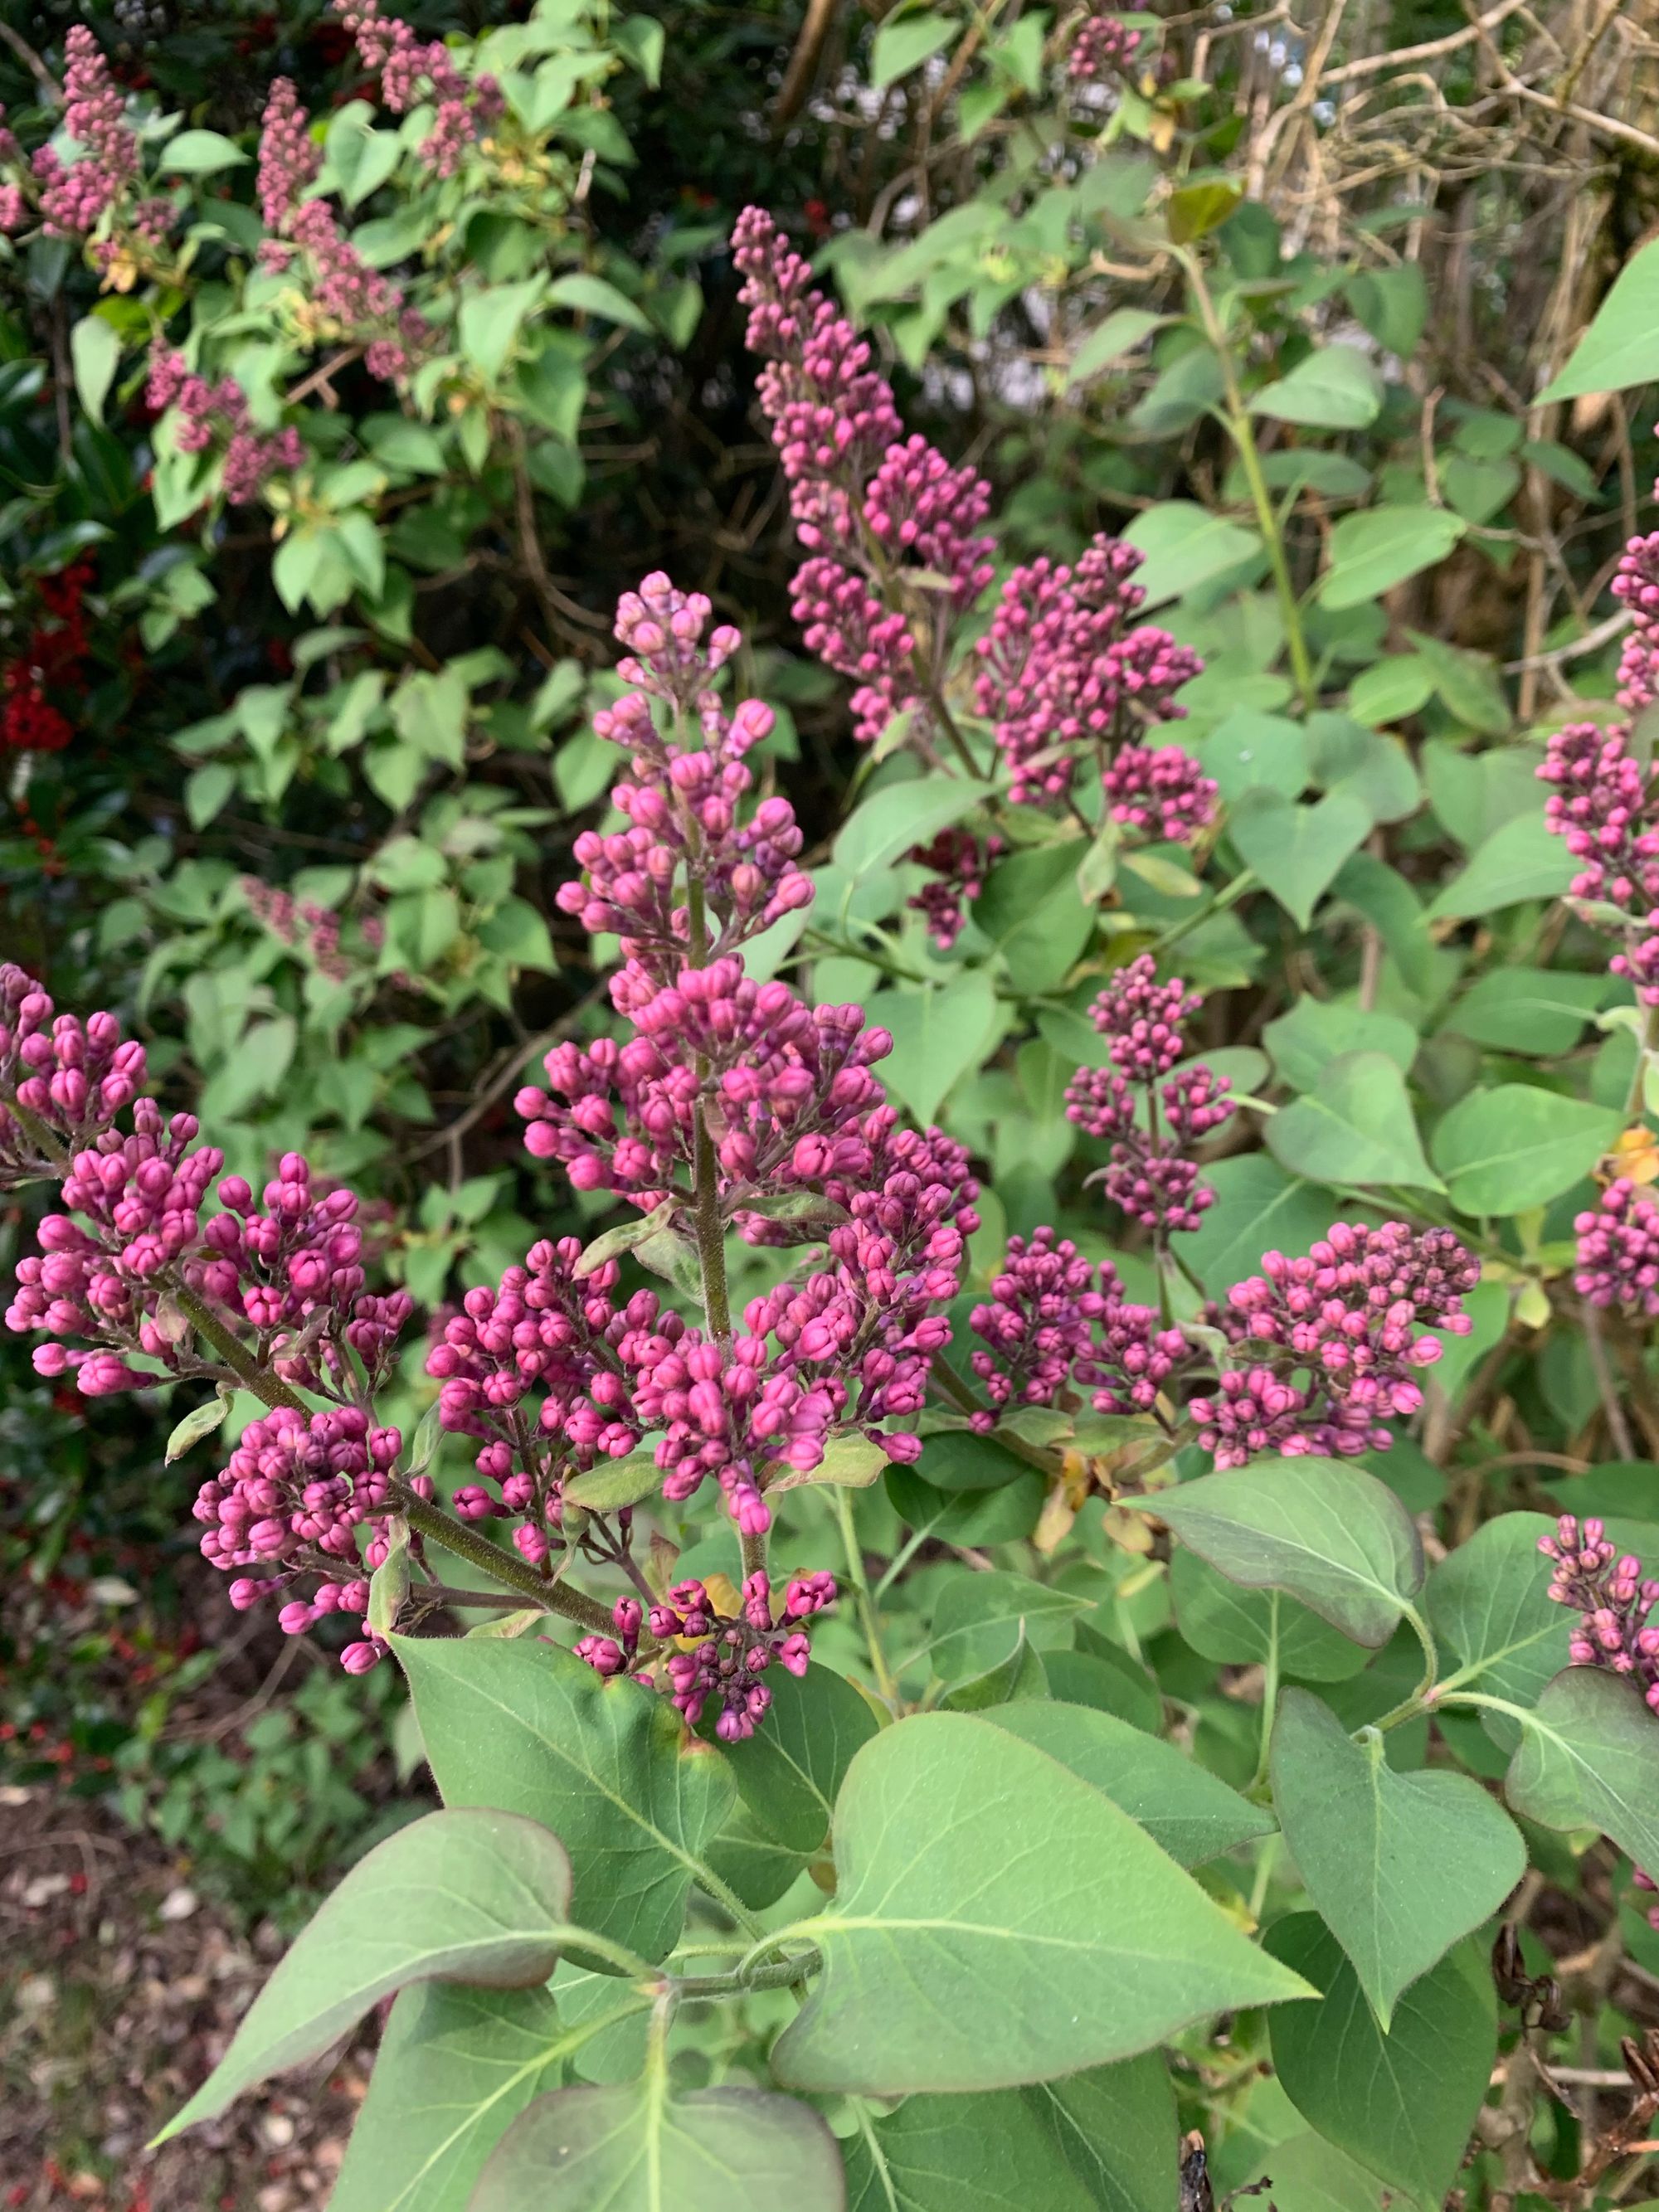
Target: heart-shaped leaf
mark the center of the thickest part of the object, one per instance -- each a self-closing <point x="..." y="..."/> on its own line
<point x="1297" y="851"/>
<point x="1589" y="1758"/>
<point x="1355" y="1126"/>
<point x="1326" y="1532"/>
<point x="789" y="1771"/>
<point x="1399" y="1865"/>
<point x="1490" y="1602"/>
<point x="998" y="1920"/>
<point x="476" y="1897"/>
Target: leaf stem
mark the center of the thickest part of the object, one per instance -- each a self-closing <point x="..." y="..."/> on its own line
<point x="868" y="1618"/>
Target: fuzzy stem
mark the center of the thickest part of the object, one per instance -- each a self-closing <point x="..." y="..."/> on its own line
<point x="433" y="1522"/>
<point x="867" y="1610"/>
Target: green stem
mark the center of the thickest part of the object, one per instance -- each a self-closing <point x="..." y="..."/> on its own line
<point x="781" y="1974"/>
<point x="1228" y="896"/>
<point x="867" y="1611"/>
<point x="1237" y="419"/>
<point x="725" y="1896"/>
<point x="614" y="1954"/>
<point x="1423" y="1695"/>
<point x="503" y="1566"/>
<point x="270" y="1389"/>
<point x="1269" y="1698"/>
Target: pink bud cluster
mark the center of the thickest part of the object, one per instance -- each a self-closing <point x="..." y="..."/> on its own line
<point x="1066" y="674"/>
<point x="890" y="527"/>
<point x="415" y="73"/>
<point x="1619" y="1251"/>
<point x="290" y="157"/>
<point x="70" y="1078"/>
<point x="731" y="1657"/>
<point x="1038" y="1322"/>
<point x="1637" y="583"/>
<point x="74" y="197"/>
<point x="1619" y="1607"/>
<point x="1603" y="810"/>
<point x="302" y="924"/>
<point x="219" y="413"/>
<point x="292" y="1500"/>
<point x="1333" y="1343"/>
<point x="1132" y="1355"/>
<point x="959" y="861"/>
<point x="1101" y="46"/>
<point x="1153" y="1126"/>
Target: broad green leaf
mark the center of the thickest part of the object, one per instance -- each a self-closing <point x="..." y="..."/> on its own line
<point x="595" y="295"/>
<point x="1522" y="859"/>
<point x="1376" y="767"/>
<point x="1249" y="749"/>
<point x="1238" y="1627"/>
<point x="1103" y="2141"/>
<point x="1180" y="1804"/>
<point x="1002" y="1515"/>
<point x="1390" y="688"/>
<point x="1185" y="545"/>
<point x="977" y="1616"/>
<point x="1400" y="1866"/>
<point x="1317" y="1032"/>
<point x="1306" y="2173"/>
<point x="490" y="320"/>
<point x="997" y="1922"/>
<point x="1478" y="489"/>
<point x="789" y="1770"/>
<point x="753" y="1863"/>
<point x="1103" y="1677"/>
<point x="959" y="1459"/>
<point x="1589" y="1758"/>
<point x="1319" y="1530"/>
<point x="195" y="153"/>
<point x="939" y="1034"/>
<point x="1355" y="1126"/>
<point x="1617" y="351"/>
<point x="455" y="2069"/>
<point x="1021" y="1672"/>
<point x="1259" y="1208"/>
<point x="1297" y="851"/>
<point x="905" y="43"/>
<point x="849" y="1463"/>
<point x="1113" y="336"/>
<point x="614" y="1483"/>
<point x="1336" y="388"/>
<point x="1403" y="2103"/>
<point x="525" y="1726"/>
<point x="639" y="2148"/>
<point x="881" y="829"/>
<point x="94" y="350"/>
<point x="1372" y="552"/>
<point x="1031" y="911"/>
<point x="476" y="1897"/>
<point x="1507" y="1150"/>
<point x="1198" y="209"/>
<point x="1488" y="1602"/>
<point x="1393" y="304"/>
<point x="1527" y="1010"/>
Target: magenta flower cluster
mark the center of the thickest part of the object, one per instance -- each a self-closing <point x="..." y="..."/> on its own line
<point x="959" y="862"/>
<point x="1331" y="1344"/>
<point x="74" y="197"/>
<point x="1619" y="1250"/>
<point x="1151" y="1115"/>
<point x="72" y="1077"/>
<point x="728" y="1655"/>
<point x="415" y="73"/>
<point x="1068" y="677"/>
<point x="1101" y="46"/>
<point x="1636" y="583"/>
<point x="217" y="414"/>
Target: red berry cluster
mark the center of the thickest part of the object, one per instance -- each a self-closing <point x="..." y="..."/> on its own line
<point x="51" y="660"/>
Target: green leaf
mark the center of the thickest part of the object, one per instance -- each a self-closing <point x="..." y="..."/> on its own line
<point x="1355" y="1126"/>
<point x="1031" y="910"/>
<point x="1317" y="1032"/>
<point x="641" y="40"/>
<point x="204" y="1421"/>
<point x="615" y="1483"/>
<point x="1002" y="1515"/>
<point x="1239" y="1627"/>
<point x="1021" y="1672"/>
<point x="94" y="350"/>
<point x="850" y="1461"/>
<point x="208" y="790"/>
<point x="640" y="2148"/>
<point x="527" y="1727"/>
<point x="1196" y="210"/>
<point x="881" y="829"/>
<point x="1617" y="351"/>
<point x="1103" y="2141"/>
<point x="937" y="1035"/>
<point x="195" y="153"/>
<point x="475" y="1897"/>
<point x="1259" y="1208"/>
<point x="788" y="1772"/>
<point x="1400" y="1866"/>
<point x="1249" y="749"/>
<point x="1589" y="1758"/>
<point x="905" y="44"/>
<point x="1504" y="1151"/>
<point x="1376" y="767"/>
<point x="1477" y="487"/>
<point x="1335" y="388"/>
<point x="1185" y="545"/>
<point x="1370" y="553"/>
<point x="1180" y="1805"/>
<point x="1489" y="1602"/>
<point x="997" y="1920"/>
<point x="1522" y="859"/>
<point x="1390" y="688"/>
<point x="455" y="2069"/>
<point x="594" y="295"/>
<point x="1403" y="2103"/>
<point x="490" y="320"/>
<point x="1467" y="682"/>
<point x="1116" y="335"/>
<point x="1527" y="1010"/>
<point x="1319" y="1530"/>
<point x="1306" y="2173"/>
<point x="975" y="1620"/>
<point x="1297" y="851"/>
<point x="1393" y="304"/>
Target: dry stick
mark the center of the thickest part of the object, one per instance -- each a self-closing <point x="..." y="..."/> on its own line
<point x="1618" y="1427"/>
<point x="1428" y="51"/>
<point x="803" y="67"/>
